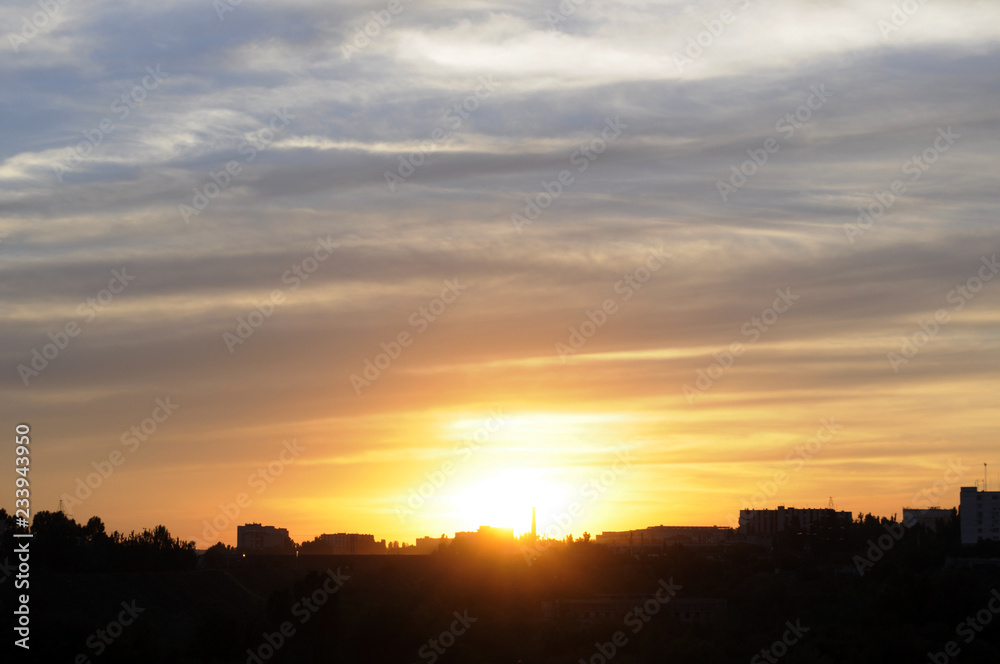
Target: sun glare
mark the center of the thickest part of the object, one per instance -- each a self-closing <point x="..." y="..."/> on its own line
<point x="504" y="499"/>
<point x="521" y="461"/>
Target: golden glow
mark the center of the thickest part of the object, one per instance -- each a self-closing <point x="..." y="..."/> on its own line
<point x="505" y="497"/>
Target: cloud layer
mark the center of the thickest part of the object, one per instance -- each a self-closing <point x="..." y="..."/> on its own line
<point x="206" y="149"/>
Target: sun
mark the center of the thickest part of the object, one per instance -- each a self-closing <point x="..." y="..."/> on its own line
<point x="504" y="498"/>
<point x="520" y="461"/>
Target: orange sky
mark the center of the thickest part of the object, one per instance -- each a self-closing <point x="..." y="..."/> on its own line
<point x="643" y="277"/>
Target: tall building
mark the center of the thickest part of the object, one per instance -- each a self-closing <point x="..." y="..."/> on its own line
<point x="768" y="523"/>
<point x="255" y="538"/>
<point x="979" y="514"/>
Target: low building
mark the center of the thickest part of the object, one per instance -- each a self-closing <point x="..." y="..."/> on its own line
<point x="487" y="537"/>
<point x="660" y="537"/>
<point x="768" y="523"/>
<point x="929" y="517"/>
<point x="979" y="514"/>
<point x="428" y="545"/>
<point x="255" y="538"/>
<point x="351" y="544"/>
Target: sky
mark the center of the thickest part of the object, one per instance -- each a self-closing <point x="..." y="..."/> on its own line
<point x="408" y="268"/>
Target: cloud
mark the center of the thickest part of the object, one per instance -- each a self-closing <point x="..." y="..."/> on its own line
<point x="693" y="118"/>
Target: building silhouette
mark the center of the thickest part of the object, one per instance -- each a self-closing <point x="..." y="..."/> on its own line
<point x="487" y="537"/>
<point x="351" y="544"/>
<point x="979" y="514"/>
<point x="929" y="517"/>
<point x="660" y="537"/>
<point x="255" y="538"/>
<point x="768" y="523"/>
<point x="428" y="545"/>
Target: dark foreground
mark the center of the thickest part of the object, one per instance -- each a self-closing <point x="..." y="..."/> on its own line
<point x="830" y="598"/>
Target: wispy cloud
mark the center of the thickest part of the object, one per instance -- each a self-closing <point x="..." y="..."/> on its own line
<point x="692" y="113"/>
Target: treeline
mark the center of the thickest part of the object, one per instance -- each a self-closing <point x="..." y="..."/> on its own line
<point x="59" y="542"/>
<point x="833" y="536"/>
<point x="871" y="590"/>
